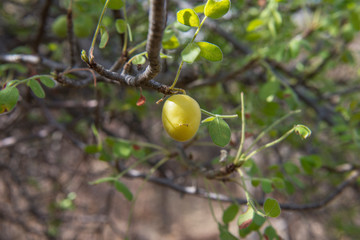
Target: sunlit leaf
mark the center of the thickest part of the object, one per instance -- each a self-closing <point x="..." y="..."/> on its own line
<point x="188" y="17"/>
<point x="210" y="51"/>
<point x="254" y="24"/>
<point x="190" y="53"/>
<point x="114" y="4"/>
<point x="216" y="8"/>
<point x="303" y="131"/>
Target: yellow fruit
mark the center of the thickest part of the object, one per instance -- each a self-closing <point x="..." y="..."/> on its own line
<point x="181" y="116"/>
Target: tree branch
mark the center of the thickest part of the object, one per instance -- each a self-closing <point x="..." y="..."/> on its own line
<point x="199" y="192"/>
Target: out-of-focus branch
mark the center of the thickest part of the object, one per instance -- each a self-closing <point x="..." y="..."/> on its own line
<point x="196" y="191"/>
<point x="43" y="20"/>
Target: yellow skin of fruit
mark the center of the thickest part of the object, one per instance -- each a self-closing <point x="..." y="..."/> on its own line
<point x="181" y="116"/>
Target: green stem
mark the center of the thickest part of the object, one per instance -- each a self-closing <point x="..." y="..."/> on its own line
<point x="182" y="62"/>
<point x="91" y="50"/>
<point x="269" y="144"/>
<point x="142" y="44"/>
<point x="126" y="31"/>
<point x="271" y="127"/>
<point x="237" y="158"/>
<point x="218" y="115"/>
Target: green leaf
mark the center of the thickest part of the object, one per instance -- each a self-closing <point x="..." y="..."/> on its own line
<point x="266" y="185"/>
<point x="291" y="168"/>
<point x="139" y="59"/>
<point x="268" y="90"/>
<point x="216" y="8"/>
<point x="102" y="180"/>
<point x="303" y="131"/>
<point x="36" y="88"/>
<point x="122" y="150"/>
<point x="171" y="43"/>
<point x="278" y="182"/>
<point x="92" y="149"/>
<point x="225" y="234"/>
<point x="255" y="225"/>
<point x="272" y="208"/>
<point x="8" y="99"/>
<point x="209" y="119"/>
<point x="210" y="51"/>
<point x="114" y="4"/>
<point x="311" y="162"/>
<point x="120" y="25"/>
<point x="246" y="218"/>
<point x="121" y="187"/>
<point x="254" y="24"/>
<point x="104" y="37"/>
<point x="181" y="27"/>
<point x="59" y="26"/>
<point x="188" y="17"/>
<point x="230" y="213"/>
<point x="165" y="56"/>
<point x="219" y="132"/>
<point x="190" y="53"/>
<point x="47" y="80"/>
<point x="199" y="8"/>
<point x="270" y="233"/>
<point x="83" y="26"/>
<point x="294" y="46"/>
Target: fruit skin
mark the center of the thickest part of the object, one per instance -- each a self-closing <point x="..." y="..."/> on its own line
<point x="181" y="116"/>
<point x="59" y="26"/>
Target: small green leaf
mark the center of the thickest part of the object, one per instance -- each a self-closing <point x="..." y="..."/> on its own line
<point x="266" y="185"/>
<point x="181" y="27"/>
<point x="210" y="51"/>
<point x="104" y="37"/>
<point x="114" y="4"/>
<point x="278" y="182"/>
<point x="291" y="168"/>
<point x="303" y="131"/>
<point x="165" y="56"/>
<point x="294" y="46"/>
<point x="47" y="80"/>
<point x="254" y="24"/>
<point x="199" y="8"/>
<point x="188" y="17"/>
<point x="36" y="88"/>
<point x="225" y="234"/>
<point x="216" y="8"/>
<point x="230" y="213"/>
<point x="190" y="53"/>
<point x="272" y="208"/>
<point x="209" y="119"/>
<point x="139" y="59"/>
<point x="121" y="187"/>
<point x="92" y="149"/>
<point x="246" y="218"/>
<point x="268" y="90"/>
<point x="219" y="132"/>
<point x="171" y="43"/>
<point x="311" y="162"/>
<point x="120" y="25"/>
<point x="59" y="26"/>
<point x="122" y="150"/>
<point x="102" y="180"/>
<point x="270" y="233"/>
<point x="8" y="99"/>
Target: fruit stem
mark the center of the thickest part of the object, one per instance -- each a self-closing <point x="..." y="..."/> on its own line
<point x="218" y="115"/>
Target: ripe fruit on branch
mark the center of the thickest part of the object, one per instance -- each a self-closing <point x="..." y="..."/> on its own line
<point x="181" y="116"/>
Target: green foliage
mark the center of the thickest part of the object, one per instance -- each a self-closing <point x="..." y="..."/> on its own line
<point x="8" y="99"/>
<point x="190" y="53"/>
<point x="216" y="8"/>
<point x="219" y="131"/>
<point x="210" y="51"/>
<point x="188" y="17"/>
<point x="230" y="213"/>
<point x="272" y="208"/>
